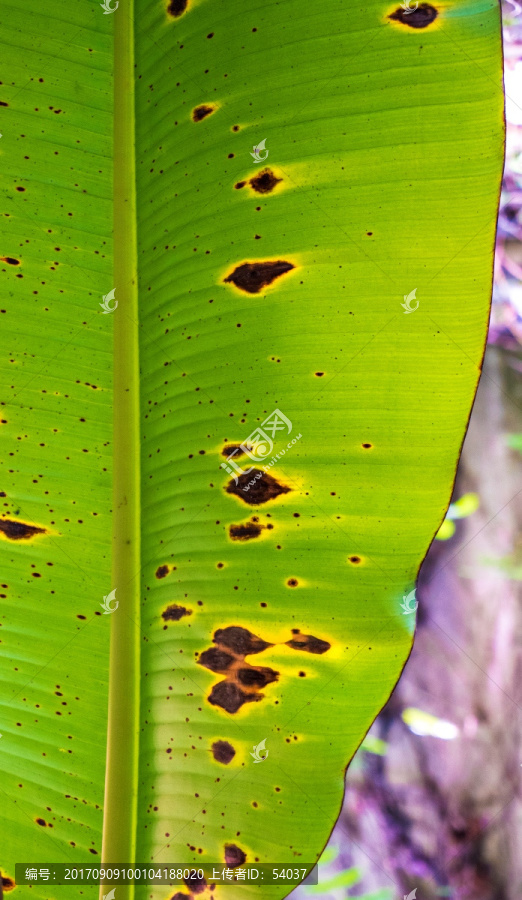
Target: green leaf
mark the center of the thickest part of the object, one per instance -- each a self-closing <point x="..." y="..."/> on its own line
<point x="384" y="145"/>
<point x="446" y="530"/>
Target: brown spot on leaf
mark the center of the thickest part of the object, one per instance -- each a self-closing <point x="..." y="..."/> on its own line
<point x="223" y="752"/>
<point x="233" y="450"/>
<point x="257" y="676"/>
<point x="421" y="17"/>
<point x="240" y="640"/>
<point x="264" y="182"/>
<point x="201" y="112"/>
<point x="234" y="856"/>
<point x="195" y="884"/>
<point x="162" y="571"/>
<point x="245" y="532"/>
<point x="8" y="884"/>
<point x="10" y="260"/>
<point x="239" y="184"/>
<point x="230" y="697"/>
<point x="174" y="613"/>
<point x="177" y="7"/>
<point x="180" y="896"/>
<point x="308" y="642"/>
<point x="252" y="277"/>
<point x="19" y="531"/>
<point x="216" y="660"/>
<point x="256" y="487"/>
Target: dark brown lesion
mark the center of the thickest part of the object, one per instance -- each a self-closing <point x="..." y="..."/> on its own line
<point x="234" y="856"/>
<point x="421" y="17"/>
<point x="256" y="676"/>
<point x="176" y="8"/>
<point x="201" y="112"/>
<point x="245" y="531"/>
<point x="243" y="681"/>
<point x="216" y="659"/>
<point x="233" y="450"/>
<point x="230" y="697"/>
<point x="223" y="752"/>
<point x="10" y="260"/>
<point x="174" y="612"/>
<point x="19" y="531"/>
<point x="264" y="182"/>
<point x="240" y="640"/>
<point x="8" y="884"/>
<point x="162" y="571"/>
<point x="256" y="487"/>
<point x="307" y="642"/>
<point x="253" y="277"/>
<point x="195" y="884"/>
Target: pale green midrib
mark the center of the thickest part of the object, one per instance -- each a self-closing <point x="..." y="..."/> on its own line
<point x="120" y="808"/>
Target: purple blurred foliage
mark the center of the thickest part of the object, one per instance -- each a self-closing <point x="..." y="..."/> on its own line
<point x="506" y="314"/>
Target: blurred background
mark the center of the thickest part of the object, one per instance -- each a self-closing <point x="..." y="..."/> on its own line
<point x="433" y="804"/>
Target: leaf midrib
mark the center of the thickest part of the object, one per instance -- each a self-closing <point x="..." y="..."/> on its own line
<point x="120" y="805"/>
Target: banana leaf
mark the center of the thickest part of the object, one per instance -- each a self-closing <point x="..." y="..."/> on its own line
<point x="246" y="259"/>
